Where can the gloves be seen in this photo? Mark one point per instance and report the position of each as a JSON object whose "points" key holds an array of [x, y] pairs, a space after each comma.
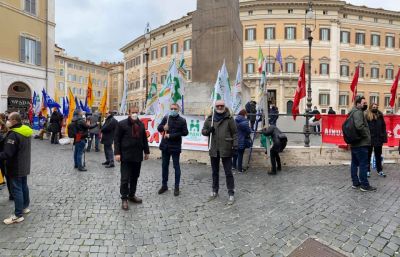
{"points": [[212, 130]]}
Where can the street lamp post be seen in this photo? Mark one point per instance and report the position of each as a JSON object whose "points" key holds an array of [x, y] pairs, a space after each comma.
{"points": [[147, 37], [310, 15]]}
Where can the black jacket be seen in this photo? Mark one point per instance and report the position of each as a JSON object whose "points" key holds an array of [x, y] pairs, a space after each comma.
{"points": [[278, 138], [56, 122], [2, 162], [17, 151], [131, 149], [108, 130], [177, 128], [82, 128], [251, 109], [377, 129]]}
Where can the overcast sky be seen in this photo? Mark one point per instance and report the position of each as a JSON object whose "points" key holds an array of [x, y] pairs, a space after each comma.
{"points": [[97, 29]]}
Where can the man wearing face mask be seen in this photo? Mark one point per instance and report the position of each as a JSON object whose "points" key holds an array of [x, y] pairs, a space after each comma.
{"points": [[17, 154], [130, 144], [359, 149], [173, 127], [221, 129]]}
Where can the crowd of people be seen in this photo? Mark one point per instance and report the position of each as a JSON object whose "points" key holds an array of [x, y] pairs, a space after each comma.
{"points": [[228, 138]]}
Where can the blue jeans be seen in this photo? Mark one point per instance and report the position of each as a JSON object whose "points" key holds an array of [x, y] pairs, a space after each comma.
{"points": [[166, 156], [237, 160], [20, 192], [78, 152], [359, 159], [96, 141]]}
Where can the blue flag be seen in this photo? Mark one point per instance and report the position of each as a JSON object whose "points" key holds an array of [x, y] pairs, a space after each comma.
{"points": [[279, 57], [48, 102], [65, 106]]}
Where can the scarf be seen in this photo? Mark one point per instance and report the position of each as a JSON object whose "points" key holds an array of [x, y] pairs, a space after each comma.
{"points": [[135, 128]]}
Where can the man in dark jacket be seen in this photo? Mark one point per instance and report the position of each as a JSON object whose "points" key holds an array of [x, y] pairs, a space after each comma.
{"points": [[107, 139], [17, 154], [173, 127], [273, 115], [130, 143], [317, 117], [56, 120], [280, 140], [82, 129], [221, 129], [331, 111], [251, 109], [359, 150], [94, 131]]}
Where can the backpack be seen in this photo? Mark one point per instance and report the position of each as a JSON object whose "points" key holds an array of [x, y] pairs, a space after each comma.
{"points": [[72, 129], [350, 133]]}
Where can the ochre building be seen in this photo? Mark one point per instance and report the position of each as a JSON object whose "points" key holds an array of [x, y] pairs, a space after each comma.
{"points": [[344, 36], [26, 52]]}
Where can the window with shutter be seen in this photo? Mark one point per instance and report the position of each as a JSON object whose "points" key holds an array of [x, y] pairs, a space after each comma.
{"points": [[21, 49], [38, 53]]}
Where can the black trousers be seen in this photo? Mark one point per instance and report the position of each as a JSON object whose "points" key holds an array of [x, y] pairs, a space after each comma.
{"points": [[275, 158], [230, 181], [378, 154], [55, 136], [109, 154], [130, 172]]}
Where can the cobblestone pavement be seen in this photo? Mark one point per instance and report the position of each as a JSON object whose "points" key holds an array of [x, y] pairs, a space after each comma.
{"points": [[78, 214]]}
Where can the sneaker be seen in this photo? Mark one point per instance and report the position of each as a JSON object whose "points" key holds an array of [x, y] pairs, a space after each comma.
{"points": [[368, 189], [231, 200], [13, 219], [368, 174], [382, 174], [26, 211], [355, 187], [162, 190], [176, 191], [83, 169], [213, 196]]}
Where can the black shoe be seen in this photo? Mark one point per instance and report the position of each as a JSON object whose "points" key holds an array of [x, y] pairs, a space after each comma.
{"points": [[176, 192], [279, 168], [75, 167], [135, 199], [272, 172], [88, 150], [111, 165], [97, 150], [105, 163], [368, 189], [82, 169], [162, 190]]}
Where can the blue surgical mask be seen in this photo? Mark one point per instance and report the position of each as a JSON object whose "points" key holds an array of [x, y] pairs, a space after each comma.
{"points": [[173, 113]]}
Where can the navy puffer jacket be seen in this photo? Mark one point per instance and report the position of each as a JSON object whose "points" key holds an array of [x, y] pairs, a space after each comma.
{"points": [[244, 131]]}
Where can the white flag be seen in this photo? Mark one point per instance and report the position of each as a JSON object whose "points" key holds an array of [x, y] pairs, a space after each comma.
{"points": [[226, 87], [122, 108], [237, 90]]}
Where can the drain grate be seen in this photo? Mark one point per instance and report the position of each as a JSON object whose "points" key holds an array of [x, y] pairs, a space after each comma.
{"points": [[313, 248]]}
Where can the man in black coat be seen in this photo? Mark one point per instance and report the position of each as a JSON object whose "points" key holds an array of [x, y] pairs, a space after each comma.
{"points": [[279, 143], [107, 139], [251, 109], [173, 127], [56, 120], [130, 143], [17, 154]]}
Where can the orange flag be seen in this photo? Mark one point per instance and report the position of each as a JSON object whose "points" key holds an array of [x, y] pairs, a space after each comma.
{"points": [[103, 103], [89, 96]]}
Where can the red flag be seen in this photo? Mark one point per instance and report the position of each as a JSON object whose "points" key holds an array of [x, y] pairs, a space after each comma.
{"points": [[394, 90], [30, 112], [300, 91], [353, 86]]}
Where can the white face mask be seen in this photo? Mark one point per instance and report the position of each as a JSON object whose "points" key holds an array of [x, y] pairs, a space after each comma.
{"points": [[8, 124], [83, 116], [134, 116]]}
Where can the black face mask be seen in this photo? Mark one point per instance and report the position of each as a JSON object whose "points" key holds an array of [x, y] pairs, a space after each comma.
{"points": [[365, 107], [374, 110]]}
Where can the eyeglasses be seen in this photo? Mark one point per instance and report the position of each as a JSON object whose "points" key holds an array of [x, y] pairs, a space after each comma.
{"points": [[219, 106]]}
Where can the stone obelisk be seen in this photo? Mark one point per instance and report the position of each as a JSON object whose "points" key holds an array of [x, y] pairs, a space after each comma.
{"points": [[217, 36]]}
